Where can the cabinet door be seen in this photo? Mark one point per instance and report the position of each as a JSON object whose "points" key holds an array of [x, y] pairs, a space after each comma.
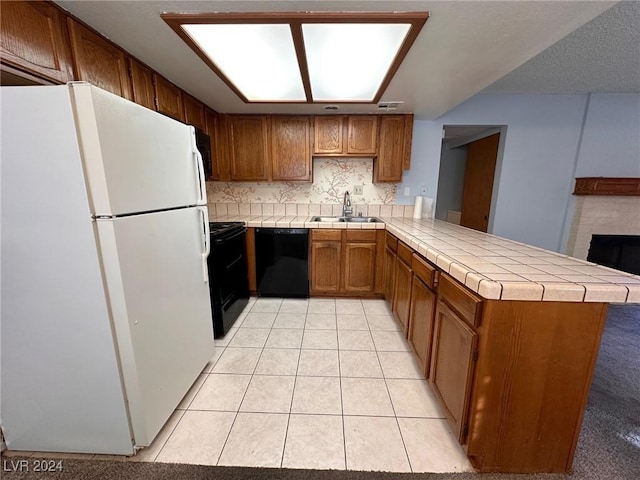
{"points": [[325, 266], [290, 148], [452, 366], [194, 112], [169, 98], [33, 38], [215, 130], [389, 274], [388, 166], [359, 267], [421, 317], [402, 294], [142, 83], [249, 147], [99, 62], [328, 134], [362, 134]]}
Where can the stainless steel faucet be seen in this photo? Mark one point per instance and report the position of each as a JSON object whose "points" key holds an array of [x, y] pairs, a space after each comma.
{"points": [[347, 209]]}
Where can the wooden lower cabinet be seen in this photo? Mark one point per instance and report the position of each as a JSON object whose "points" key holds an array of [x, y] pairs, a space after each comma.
{"points": [[344, 262], [452, 367], [421, 319], [402, 293]]}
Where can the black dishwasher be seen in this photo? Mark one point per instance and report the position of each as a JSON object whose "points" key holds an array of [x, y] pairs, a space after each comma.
{"points": [[282, 262]]}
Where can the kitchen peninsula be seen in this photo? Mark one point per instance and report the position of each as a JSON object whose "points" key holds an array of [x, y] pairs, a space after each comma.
{"points": [[507, 334]]}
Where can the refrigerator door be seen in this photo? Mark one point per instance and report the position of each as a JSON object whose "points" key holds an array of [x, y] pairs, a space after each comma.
{"points": [[60, 377], [155, 271], [135, 160]]}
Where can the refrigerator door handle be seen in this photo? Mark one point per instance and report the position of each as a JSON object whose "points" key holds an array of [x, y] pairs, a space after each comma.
{"points": [[202, 188], [207, 242]]}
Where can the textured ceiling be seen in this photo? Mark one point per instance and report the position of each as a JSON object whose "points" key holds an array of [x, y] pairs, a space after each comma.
{"points": [[464, 47], [601, 56]]}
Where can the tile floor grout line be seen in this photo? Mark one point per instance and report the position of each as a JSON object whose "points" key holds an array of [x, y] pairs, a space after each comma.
{"points": [[344, 434], [164, 444], [293, 393]]}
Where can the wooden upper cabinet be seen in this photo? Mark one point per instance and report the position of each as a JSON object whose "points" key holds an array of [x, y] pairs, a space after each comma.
{"points": [[290, 148], [98, 61], [194, 112], [328, 134], [142, 84], [408, 139], [33, 38], [248, 147], [362, 134], [168, 98], [216, 130], [388, 165]]}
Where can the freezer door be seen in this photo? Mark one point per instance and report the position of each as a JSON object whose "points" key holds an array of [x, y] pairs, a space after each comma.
{"points": [[135, 160], [155, 270]]}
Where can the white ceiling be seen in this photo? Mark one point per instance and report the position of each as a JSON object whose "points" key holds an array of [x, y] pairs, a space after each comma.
{"points": [[464, 48]]}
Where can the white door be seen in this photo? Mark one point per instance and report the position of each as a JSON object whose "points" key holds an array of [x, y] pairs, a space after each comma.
{"points": [[135, 160], [156, 276]]}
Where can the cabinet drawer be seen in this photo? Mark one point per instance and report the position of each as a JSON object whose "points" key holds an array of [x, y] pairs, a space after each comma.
{"points": [[321, 234], [405, 252], [392, 242], [424, 270], [463, 301], [361, 235]]}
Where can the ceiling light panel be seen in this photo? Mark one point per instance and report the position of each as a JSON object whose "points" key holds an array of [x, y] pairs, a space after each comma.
{"points": [[349, 61], [259, 59]]}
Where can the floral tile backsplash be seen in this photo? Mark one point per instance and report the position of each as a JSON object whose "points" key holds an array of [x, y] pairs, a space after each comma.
{"points": [[331, 178]]}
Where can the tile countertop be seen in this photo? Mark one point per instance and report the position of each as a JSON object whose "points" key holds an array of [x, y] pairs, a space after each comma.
{"points": [[493, 267]]}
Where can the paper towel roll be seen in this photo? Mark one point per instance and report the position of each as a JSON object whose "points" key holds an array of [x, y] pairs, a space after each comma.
{"points": [[417, 208]]}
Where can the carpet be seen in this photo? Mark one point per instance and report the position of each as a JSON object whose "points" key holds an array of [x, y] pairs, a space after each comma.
{"points": [[608, 448]]}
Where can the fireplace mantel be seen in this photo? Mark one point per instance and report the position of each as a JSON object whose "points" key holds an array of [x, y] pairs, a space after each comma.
{"points": [[626, 187]]}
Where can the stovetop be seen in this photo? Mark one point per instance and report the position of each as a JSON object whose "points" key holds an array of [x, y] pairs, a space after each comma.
{"points": [[224, 229]]}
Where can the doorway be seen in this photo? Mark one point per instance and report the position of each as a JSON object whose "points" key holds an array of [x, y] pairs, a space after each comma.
{"points": [[468, 164]]}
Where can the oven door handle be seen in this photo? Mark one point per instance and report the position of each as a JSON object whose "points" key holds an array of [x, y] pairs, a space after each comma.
{"points": [[231, 237], [207, 241]]}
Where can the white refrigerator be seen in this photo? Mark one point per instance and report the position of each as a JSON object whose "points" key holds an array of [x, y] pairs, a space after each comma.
{"points": [[105, 316]]}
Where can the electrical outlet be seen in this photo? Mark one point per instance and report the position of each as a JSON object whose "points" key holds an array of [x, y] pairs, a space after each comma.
{"points": [[423, 190], [407, 191], [357, 189]]}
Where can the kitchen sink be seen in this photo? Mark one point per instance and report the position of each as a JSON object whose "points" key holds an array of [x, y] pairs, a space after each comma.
{"points": [[347, 219]]}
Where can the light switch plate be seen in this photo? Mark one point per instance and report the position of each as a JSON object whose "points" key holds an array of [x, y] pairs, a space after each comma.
{"points": [[357, 189]]}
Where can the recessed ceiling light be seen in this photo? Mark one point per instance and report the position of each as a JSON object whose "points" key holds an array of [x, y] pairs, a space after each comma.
{"points": [[302, 57]]}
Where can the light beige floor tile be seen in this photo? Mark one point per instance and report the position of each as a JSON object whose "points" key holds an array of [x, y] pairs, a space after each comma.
{"points": [[431, 447], [240, 320], [320, 321], [222, 392], [284, 338], [390, 341], [413, 398], [224, 341], [290, 320], [256, 440], [376, 307], [322, 305], [259, 320], [268, 394], [322, 363], [320, 395], [150, 453], [349, 306], [314, 441], [352, 322], [294, 305], [320, 339], [190, 395], [366, 396], [237, 360], [198, 438], [399, 365], [374, 443], [214, 359], [383, 322], [355, 340], [250, 337], [359, 364], [266, 305], [278, 361]]}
